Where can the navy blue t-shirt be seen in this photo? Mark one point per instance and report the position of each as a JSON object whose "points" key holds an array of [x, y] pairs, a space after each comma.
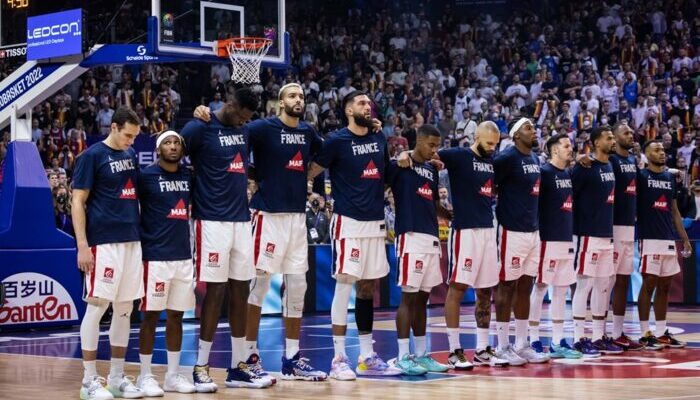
{"points": [[556, 204], [518, 183], [219, 155], [165, 204], [281, 155], [112, 206], [471, 185], [356, 165], [655, 195], [415, 193], [594, 199], [625, 169]]}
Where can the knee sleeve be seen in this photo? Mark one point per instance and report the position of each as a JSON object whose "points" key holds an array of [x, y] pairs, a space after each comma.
{"points": [[600, 296], [121, 323], [536, 299], [364, 314], [293, 297], [583, 289], [339, 307], [258, 288], [558, 304], [411, 289], [90, 326]]}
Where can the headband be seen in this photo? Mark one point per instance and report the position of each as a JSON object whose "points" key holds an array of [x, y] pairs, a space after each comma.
{"points": [[517, 126], [167, 134]]}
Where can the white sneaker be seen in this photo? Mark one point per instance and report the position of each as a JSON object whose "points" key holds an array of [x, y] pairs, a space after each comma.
{"points": [[123, 386], [507, 353], [94, 389], [149, 386], [178, 383], [340, 369], [529, 354]]}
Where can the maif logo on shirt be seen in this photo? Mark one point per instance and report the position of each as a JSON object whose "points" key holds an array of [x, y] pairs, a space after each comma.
{"points": [[661, 204], [371, 171], [487, 189], [536, 188], [611, 197], [568, 204], [236, 166], [179, 212], [425, 192], [128, 191], [296, 163], [632, 188]]}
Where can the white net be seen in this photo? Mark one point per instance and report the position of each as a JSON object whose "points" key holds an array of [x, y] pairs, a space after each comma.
{"points": [[246, 54]]}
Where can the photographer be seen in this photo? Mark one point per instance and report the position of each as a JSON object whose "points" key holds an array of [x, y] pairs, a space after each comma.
{"points": [[61, 207], [317, 220]]}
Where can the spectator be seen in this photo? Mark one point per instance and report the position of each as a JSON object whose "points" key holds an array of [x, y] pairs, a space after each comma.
{"points": [[61, 206], [104, 118], [317, 220], [389, 215], [216, 103]]}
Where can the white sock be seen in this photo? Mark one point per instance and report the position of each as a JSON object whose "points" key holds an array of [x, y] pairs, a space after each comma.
{"points": [[660, 328], [521, 333], [203, 352], [579, 325], [419, 345], [366, 347], [644, 327], [598, 329], [116, 367], [618, 322], [292, 347], [173, 362], [237, 351], [403, 348], [146, 363], [90, 368], [251, 347], [339, 345], [557, 332], [502, 332], [482, 338], [453, 339], [534, 332]]}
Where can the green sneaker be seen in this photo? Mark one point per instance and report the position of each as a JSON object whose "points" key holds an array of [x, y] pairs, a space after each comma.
{"points": [[563, 350], [430, 364], [408, 366]]}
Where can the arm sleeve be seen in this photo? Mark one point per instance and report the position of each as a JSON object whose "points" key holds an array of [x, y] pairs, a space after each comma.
{"points": [[316, 141], [84, 173], [327, 153], [501, 168], [392, 170], [446, 157], [577, 178], [192, 133]]}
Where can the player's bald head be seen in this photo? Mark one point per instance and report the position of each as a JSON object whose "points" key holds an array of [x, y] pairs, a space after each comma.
{"points": [[486, 139]]}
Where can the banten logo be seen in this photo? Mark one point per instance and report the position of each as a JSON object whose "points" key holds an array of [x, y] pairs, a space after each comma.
{"points": [[236, 166], [371, 171], [128, 191], [296, 163]]}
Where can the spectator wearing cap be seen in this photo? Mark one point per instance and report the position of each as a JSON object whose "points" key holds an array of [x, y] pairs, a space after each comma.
{"points": [[693, 205]]}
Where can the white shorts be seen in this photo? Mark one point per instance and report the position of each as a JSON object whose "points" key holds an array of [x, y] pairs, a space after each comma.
{"points": [[658, 257], [623, 249], [279, 243], [594, 256], [223, 251], [358, 248], [418, 260], [118, 273], [168, 285], [556, 265], [472, 258], [519, 253]]}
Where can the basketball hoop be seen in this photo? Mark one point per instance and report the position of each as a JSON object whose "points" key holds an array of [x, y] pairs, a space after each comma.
{"points": [[246, 54]]}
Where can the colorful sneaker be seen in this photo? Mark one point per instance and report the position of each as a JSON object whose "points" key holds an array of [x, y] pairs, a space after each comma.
{"points": [[563, 350], [669, 341], [627, 343], [586, 348], [537, 346], [93, 388], [458, 361], [507, 353], [149, 386], [531, 355], [488, 357], [298, 368], [605, 345], [340, 369], [408, 365], [650, 342], [255, 364], [202, 381], [375, 366], [243, 377], [123, 386], [430, 364], [178, 383]]}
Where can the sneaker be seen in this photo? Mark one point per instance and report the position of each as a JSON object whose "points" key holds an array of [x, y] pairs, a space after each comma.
{"points": [[650, 342], [458, 361], [123, 386], [93, 388], [430, 364], [178, 383], [202, 381], [408, 365], [627, 343], [243, 377], [340, 369], [255, 364], [531, 355], [537, 346], [586, 348], [298, 368], [375, 366], [507, 353], [605, 345], [149, 386], [488, 357], [563, 350], [669, 341]]}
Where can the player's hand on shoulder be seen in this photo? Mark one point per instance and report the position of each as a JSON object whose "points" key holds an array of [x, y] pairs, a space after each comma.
{"points": [[404, 159], [376, 125], [203, 113], [584, 160], [439, 165]]}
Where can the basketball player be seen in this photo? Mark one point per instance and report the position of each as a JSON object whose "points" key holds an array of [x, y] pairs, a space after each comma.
{"points": [[218, 151], [518, 181], [106, 221], [418, 251], [659, 224], [356, 157], [164, 196], [594, 197], [556, 266], [624, 212]]}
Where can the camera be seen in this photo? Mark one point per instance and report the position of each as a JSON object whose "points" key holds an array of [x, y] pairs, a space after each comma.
{"points": [[315, 203], [61, 198]]}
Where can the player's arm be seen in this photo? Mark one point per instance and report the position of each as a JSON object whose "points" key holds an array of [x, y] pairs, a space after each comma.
{"points": [[314, 171], [202, 112], [86, 262], [678, 223]]}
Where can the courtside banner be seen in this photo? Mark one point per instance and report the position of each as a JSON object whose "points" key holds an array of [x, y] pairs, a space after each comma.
{"points": [[25, 82], [55, 35]]}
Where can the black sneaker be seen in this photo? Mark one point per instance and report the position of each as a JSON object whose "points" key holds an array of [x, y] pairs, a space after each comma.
{"points": [[458, 361], [488, 358], [650, 341]]}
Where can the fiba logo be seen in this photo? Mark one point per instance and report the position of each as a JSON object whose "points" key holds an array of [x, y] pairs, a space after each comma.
{"points": [[168, 21]]}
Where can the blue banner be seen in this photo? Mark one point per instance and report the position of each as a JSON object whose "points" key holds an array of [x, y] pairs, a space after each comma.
{"points": [[125, 54], [55, 35], [25, 82]]}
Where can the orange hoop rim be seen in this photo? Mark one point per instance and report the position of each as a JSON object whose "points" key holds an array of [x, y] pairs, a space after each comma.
{"points": [[244, 43]]}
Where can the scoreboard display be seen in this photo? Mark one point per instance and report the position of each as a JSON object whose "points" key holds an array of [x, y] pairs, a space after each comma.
{"points": [[13, 22]]}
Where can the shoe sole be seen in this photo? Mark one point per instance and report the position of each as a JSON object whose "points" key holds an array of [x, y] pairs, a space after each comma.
{"points": [[591, 355], [376, 373], [338, 378], [456, 368], [488, 364], [159, 394], [538, 361], [611, 352], [245, 385], [292, 377], [205, 389], [117, 394]]}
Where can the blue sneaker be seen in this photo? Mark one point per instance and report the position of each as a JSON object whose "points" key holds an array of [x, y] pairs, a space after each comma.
{"points": [[563, 350], [375, 366], [605, 345], [243, 377], [429, 363], [537, 346], [586, 348], [202, 381], [297, 368], [407, 364], [255, 364]]}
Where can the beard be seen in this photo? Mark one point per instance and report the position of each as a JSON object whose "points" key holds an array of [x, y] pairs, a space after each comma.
{"points": [[362, 120], [483, 152], [290, 111], [625, 146]]}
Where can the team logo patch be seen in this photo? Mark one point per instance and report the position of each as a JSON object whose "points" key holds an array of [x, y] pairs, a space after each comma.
{"points": [[128, 191], [296, 163], [159, 289], [616, 255], [568, 204], [269, 249], [552, 264], [515, 262], [611, 197], [425, 192], [594, 258], [179, 212], [236, 166], [371, 171], [536, 188], [355, 255], [661, 204], [108, 275], [419, 267], [487, 189], [632, 188], [213, 260], [656, 257], [467, 265]]}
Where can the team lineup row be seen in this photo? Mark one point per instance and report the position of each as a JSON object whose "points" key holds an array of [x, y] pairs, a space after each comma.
{"points": [[133, 237]]}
